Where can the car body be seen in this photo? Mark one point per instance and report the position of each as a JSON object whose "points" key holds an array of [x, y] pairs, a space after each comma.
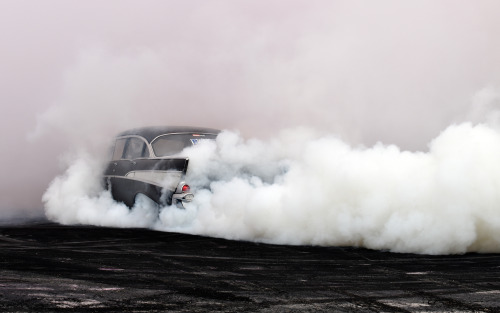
{"points": [[148, 161]]}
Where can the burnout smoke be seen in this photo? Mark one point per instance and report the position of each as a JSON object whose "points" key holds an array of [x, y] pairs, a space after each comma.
{"points": [[391, 71], [305, 188]]}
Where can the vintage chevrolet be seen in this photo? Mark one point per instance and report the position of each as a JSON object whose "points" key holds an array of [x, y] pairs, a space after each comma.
{"points": [[149, 162]]}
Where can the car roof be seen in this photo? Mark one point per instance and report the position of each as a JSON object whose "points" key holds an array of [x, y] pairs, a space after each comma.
{"points": [[150, 133]]}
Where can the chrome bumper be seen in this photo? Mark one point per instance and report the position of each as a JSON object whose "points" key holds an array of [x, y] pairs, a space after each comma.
{"points": [[183, 197]]}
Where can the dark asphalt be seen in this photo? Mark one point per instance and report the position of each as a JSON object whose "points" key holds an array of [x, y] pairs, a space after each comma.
{"points": [[51, 268]]}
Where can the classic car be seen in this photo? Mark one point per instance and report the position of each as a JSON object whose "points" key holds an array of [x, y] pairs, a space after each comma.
{"points": [[148, 162]]}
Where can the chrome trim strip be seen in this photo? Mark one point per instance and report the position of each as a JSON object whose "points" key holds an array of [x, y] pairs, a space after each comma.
{"points": [[145, 181], [167, 179]]}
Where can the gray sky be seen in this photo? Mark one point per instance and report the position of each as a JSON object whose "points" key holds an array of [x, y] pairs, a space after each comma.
{"points": [[78, 71]]}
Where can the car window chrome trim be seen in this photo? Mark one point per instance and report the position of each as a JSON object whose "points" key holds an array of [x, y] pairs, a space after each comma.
{"points": [[182, 133]]}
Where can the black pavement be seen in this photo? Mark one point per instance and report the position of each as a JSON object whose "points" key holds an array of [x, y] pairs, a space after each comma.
{"points": [[51, 268]]}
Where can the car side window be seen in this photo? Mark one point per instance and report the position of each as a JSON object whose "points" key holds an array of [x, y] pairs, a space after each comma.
{"points": [[119, 146], [135, 148]]}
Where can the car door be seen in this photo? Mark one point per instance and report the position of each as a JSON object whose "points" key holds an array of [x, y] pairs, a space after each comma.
{"points": [[127, 153]]}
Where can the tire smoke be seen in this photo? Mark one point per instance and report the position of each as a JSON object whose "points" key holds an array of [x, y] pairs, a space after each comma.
{"points": [[309, 189], [396, 72]]}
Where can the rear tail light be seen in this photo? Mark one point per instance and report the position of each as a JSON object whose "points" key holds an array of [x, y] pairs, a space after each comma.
{"points": [[186, 188]]}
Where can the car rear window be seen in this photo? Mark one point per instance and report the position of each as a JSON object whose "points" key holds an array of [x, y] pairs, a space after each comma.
{"points": [[171, 144]]}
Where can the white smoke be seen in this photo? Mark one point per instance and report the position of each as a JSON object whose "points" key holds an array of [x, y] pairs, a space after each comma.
{"points": [[77, 197], [304, 188], [397, 72]]}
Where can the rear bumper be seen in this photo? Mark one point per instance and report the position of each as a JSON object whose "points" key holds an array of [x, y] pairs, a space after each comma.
{"points": [[183, 197]]}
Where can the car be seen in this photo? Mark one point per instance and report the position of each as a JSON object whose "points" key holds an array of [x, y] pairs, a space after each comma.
{"points": [[148, 162]]}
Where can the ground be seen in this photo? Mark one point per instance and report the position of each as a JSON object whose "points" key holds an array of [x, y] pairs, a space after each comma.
{"points": [[49, 268]]}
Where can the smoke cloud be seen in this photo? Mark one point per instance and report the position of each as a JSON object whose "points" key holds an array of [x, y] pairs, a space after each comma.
{"points": [[301, 188], [338, 115]]}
